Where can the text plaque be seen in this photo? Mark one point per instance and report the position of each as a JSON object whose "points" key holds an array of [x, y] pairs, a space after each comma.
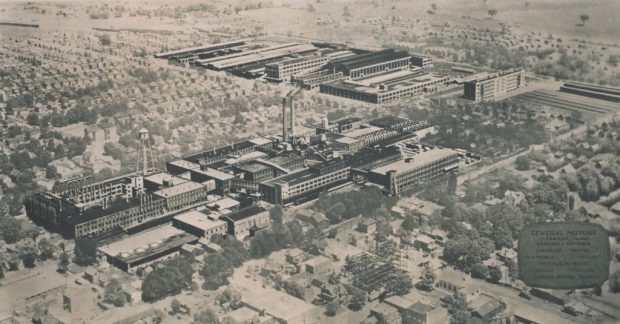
{"points": [[564, 255]]}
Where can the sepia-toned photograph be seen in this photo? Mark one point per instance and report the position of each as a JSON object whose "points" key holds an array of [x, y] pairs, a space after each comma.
{"points": [[309, 161]]}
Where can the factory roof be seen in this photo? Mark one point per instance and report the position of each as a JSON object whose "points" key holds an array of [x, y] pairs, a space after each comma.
{"points": [[347, 140], [215, 174], [253, 167], [161, 177], [260, 141], [146, 243], [416, 161], [185, 164], [201, 48], [178, 189], [199, 220], [276, 303], [372, 58], [224, 203], [317, 260], [223, 150], [420, 308], [272, 52], [362, 131], [387, 121], [245, 213], [393, 80], [347, 120]]}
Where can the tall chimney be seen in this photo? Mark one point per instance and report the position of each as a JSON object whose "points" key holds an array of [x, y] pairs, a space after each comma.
{"points": [[292, 116], [284, 126]]}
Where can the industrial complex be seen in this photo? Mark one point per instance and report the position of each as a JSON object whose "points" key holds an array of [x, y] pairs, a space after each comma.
{"points": [[222, 191]]}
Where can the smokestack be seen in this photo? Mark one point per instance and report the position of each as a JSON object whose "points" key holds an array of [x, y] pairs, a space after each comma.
{"points": [[292, 116], [284, 126]]}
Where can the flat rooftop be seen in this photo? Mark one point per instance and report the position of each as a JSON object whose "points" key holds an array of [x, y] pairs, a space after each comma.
{"points": [[224, 203], [160, 177], [178, 189], [215, 174], [253, 167], [223, 150], [245, 213], [372, 58], [392, 80], [416, 161], [148, 242], [199, 220], [362, 131], [185, 164]]}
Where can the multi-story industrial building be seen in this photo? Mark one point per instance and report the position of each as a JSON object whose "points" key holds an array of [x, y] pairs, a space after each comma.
{"points": [[422, 61], [359, 66], [386, 87], [406, 174], [285, 70], [494, 85], [304, 184], [200, 224], [245, 222]]}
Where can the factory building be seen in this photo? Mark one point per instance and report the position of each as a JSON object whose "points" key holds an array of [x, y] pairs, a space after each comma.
{"points": [[406, 174], [387, 86], [371, 63], [285, 70], [200, 224], [422, 61], [303, 185], [245, 222], [120, 214], [144, 248], [224, 152], [494, 85]]}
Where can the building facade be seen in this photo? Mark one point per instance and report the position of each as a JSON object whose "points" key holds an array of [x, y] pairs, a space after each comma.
{"points": [[406, 174], [494, 85]]}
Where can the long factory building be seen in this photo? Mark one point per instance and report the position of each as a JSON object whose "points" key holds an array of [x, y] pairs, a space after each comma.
{"points": [[372, 76], [262, 168]]}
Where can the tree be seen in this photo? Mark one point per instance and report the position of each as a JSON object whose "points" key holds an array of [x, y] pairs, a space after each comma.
{"points": [[105, 40], [522, 163], [614, 282], [332, 308], [457, 307], [175, 306], [398, 284], [206, 316], [85, 251], [408, 223], [33, 119], [230, 297], [10, 229], [479, 271], [63, 262], [167, 280], [428, 280], [114, 294], [584, 18], [294, 289], [495, 274], [492, 12], [46, 249], [357, 302], [216, 271], [276, 214], [28, 255]]}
